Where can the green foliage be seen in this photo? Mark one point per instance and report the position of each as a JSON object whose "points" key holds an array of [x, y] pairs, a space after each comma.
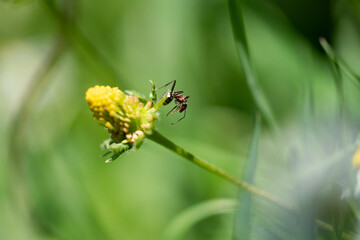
{"points": [[244, 54], [55, 185], [243, 216], [188, 218], [153, 95]]}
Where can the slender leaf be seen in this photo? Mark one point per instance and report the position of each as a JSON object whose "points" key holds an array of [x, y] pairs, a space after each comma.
{"points": [[244, 54], [243, 217], [337, 74], [338, 213], [338, 61], [189, 217]]}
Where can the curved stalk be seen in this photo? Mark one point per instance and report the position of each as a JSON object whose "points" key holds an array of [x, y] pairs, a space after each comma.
{"points": [[162, 140]]}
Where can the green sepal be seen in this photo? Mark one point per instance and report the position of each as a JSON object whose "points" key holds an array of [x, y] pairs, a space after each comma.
{"points": [[112, 158], [115, 148], [105, 154], [139, 141], [118, 147], [153, 95]]}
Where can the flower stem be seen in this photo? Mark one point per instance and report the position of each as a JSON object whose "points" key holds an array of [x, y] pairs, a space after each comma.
{"points": [[162, 140], [160, 103]]}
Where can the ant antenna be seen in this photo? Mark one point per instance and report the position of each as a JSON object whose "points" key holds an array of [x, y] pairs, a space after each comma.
{"points": [[172, 88]]}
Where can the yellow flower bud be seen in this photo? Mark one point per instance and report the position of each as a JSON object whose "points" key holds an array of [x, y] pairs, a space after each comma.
{"points": [[128, 117], [125, 116]]}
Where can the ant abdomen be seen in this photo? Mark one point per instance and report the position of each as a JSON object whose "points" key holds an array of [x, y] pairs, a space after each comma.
{"points": [[183, 107]]}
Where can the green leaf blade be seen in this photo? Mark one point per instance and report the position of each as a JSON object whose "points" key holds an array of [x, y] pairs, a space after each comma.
{"points": [[243, 217], [243, 51]]}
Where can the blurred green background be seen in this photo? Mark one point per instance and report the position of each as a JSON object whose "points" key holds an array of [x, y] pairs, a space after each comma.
{"points": [[53, 182]]}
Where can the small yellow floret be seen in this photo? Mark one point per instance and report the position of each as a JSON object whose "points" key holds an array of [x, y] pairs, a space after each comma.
{"points": [[356, 158], [108, 125], [103, 100]]}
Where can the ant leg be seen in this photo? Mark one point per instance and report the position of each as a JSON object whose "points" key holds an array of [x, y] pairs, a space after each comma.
{"points": [[178, 107], [172, 88], [172, 110], [180, 118]]}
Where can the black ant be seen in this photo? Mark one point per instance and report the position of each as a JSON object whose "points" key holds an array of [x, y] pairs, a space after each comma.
{"points": [[180, 100]]}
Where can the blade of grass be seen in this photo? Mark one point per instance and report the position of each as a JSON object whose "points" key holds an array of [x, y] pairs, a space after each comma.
{"points": [[335, 62], [308, 116], [239, 32], [189, 217], [353, 206], [17, 183], [337, 213], [79, 39], [243, 217], [341, 64], [329, 227], [305, 222]]}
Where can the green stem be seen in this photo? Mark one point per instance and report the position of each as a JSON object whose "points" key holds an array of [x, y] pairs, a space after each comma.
{"points": [[160, 103], [162, 140]]}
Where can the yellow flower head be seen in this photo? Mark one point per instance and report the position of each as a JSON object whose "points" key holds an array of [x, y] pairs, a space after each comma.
{"points": [[126, 117]]}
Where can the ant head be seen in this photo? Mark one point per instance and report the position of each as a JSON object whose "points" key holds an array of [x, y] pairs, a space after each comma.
{"points": [[169, 98]]}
